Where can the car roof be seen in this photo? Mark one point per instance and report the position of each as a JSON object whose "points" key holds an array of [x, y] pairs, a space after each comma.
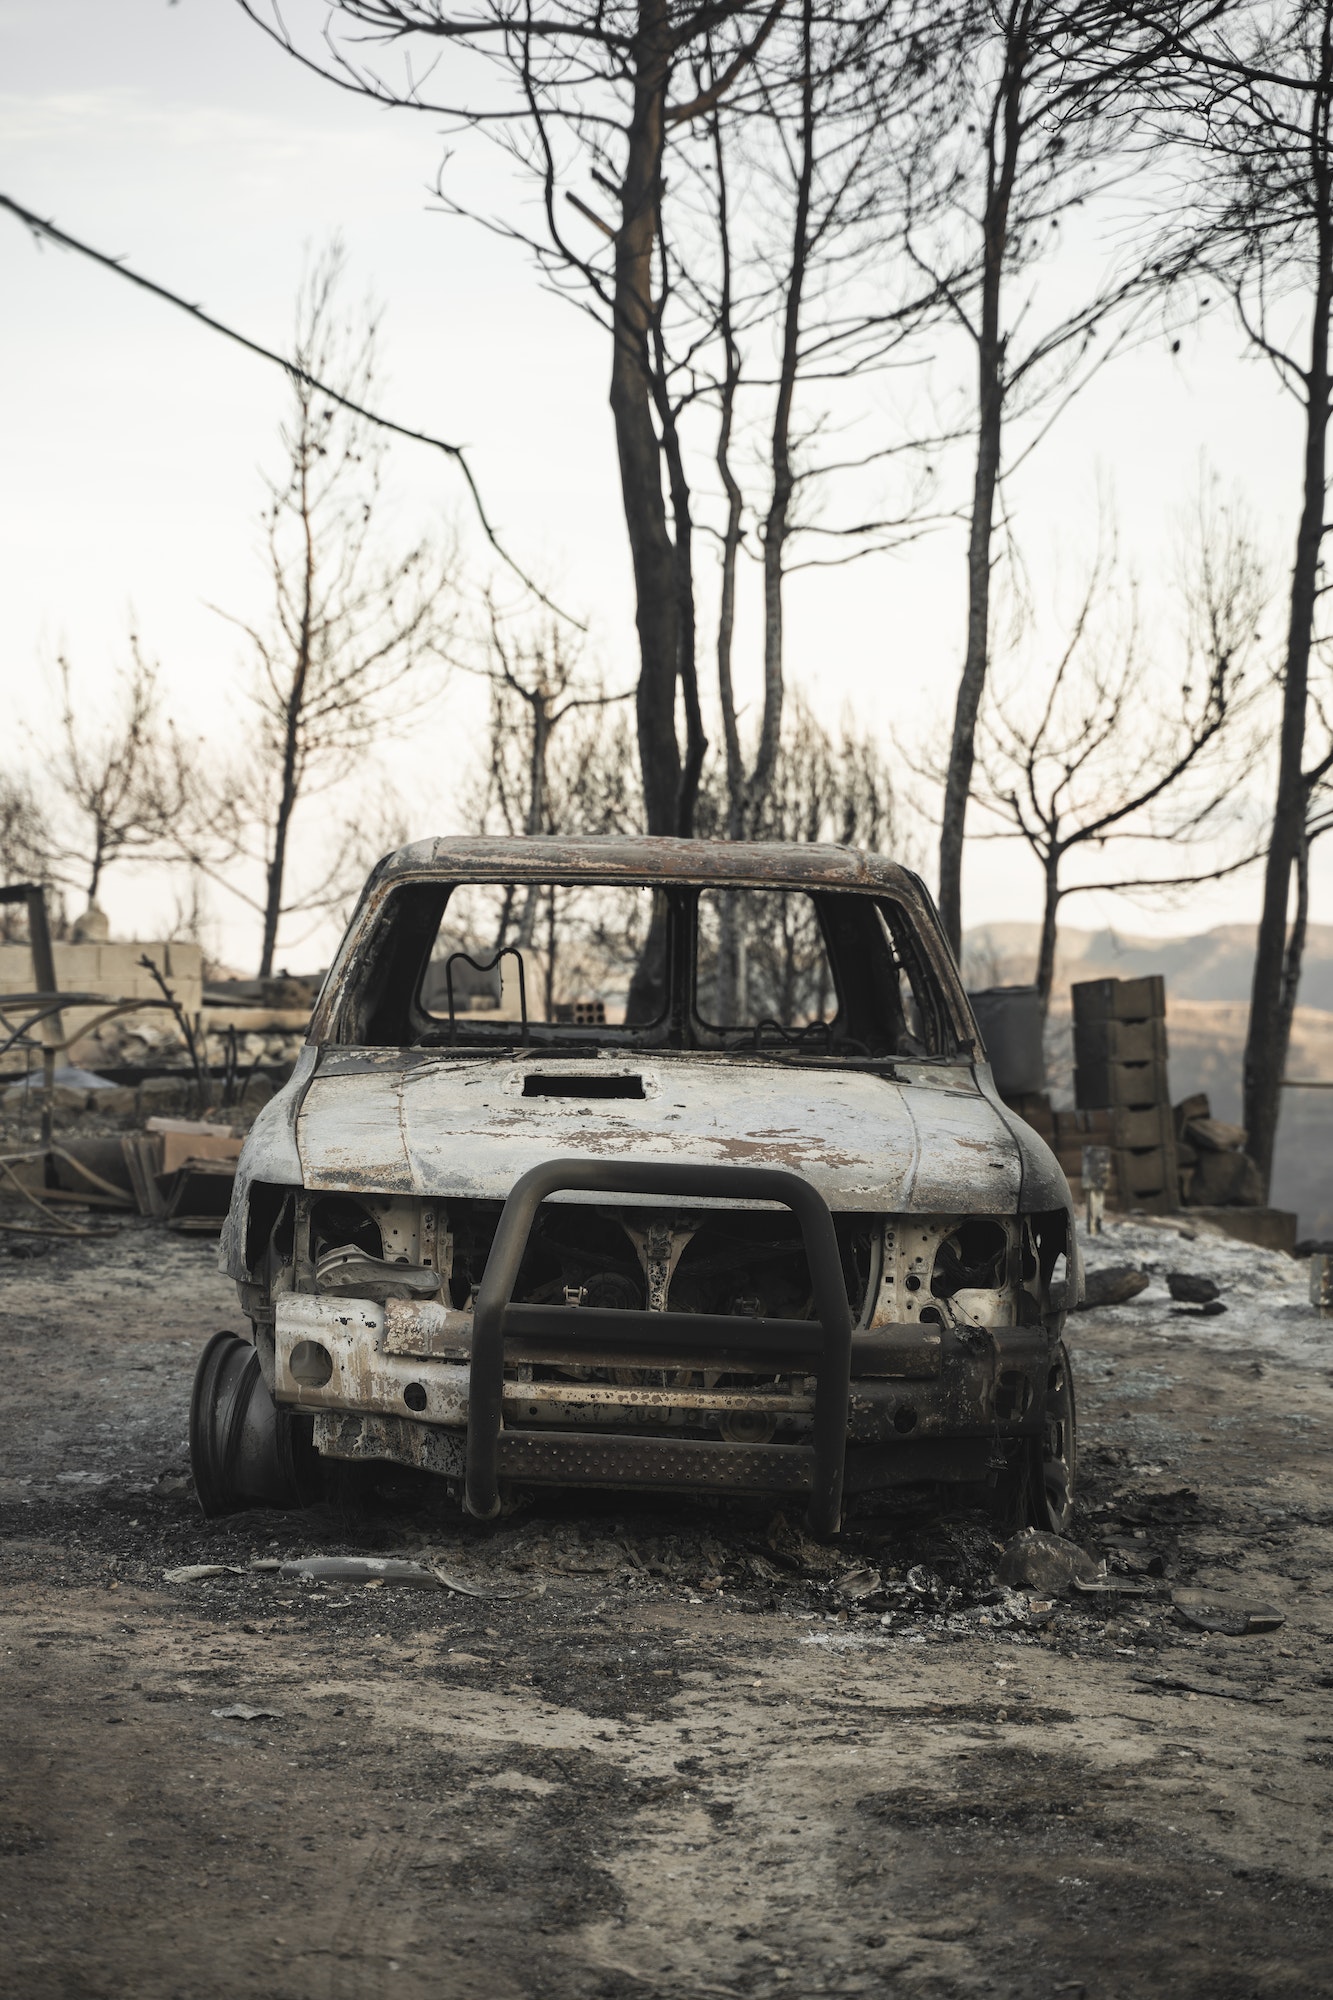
{"points": [[654, 858]]}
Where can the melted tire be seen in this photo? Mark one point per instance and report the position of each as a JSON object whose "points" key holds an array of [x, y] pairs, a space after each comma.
{"points": [[1053, 1470], [1038, 1489], [244, 1450]]}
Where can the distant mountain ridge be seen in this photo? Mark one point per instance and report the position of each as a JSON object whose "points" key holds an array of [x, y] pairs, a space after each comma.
{"points": [[1208, 965]]}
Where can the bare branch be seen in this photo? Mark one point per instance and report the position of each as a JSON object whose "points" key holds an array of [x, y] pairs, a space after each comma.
{"points": [[40, 226]]}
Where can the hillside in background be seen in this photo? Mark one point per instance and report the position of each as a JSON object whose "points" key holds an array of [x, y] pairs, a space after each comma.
{"points": [[1208, 987], [1212, 965]]}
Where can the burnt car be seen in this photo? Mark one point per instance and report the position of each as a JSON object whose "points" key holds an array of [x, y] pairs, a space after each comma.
{"points": [[656, 1164]]}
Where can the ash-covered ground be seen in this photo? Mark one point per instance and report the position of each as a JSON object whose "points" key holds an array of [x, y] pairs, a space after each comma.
{"points": [[657, 1750]]}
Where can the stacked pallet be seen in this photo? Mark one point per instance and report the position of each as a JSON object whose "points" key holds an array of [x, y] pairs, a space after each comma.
{"points": [[1120, 1073]]}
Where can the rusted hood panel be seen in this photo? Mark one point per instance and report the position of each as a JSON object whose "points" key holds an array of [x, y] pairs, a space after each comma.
{"points": [[464, 1128]]}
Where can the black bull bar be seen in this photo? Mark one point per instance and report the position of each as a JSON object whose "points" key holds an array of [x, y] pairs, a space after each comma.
{"points": [[822, 1346]]}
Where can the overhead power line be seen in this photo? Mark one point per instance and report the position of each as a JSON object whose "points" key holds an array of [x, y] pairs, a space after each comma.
{"points": [[41, 227]]}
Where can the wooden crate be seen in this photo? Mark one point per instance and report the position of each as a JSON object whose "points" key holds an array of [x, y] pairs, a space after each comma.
{"points": [[1120, 999], [1121, 1085], [1098, 1042], [1150, 1125]]}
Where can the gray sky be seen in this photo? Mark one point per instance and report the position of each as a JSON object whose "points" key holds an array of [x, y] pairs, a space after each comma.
{"points": [[132, 439]]}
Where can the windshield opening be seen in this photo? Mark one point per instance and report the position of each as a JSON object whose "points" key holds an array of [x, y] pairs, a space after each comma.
{"points": [[589, 966], [762, 965]]}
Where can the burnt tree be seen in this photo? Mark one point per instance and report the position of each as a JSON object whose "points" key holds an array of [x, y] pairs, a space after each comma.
{"points": [[589, 93], [354, 639], [119, 782], [1250, 102], [1066, 762], [1053, 90]]}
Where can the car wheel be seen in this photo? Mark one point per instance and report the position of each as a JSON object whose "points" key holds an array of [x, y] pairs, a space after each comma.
{"points": [[1036, 1489], [244, 1450], [1055, 1454]]}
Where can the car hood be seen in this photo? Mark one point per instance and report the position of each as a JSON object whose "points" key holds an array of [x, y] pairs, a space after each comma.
{"points": [[924, 1139]]}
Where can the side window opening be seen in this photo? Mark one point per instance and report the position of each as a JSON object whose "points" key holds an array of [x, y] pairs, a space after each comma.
{"points": [[378, 1010], [925, 1021]]}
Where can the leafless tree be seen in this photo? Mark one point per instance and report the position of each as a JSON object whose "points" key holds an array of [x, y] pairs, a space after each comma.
{"points": [[117, 783], [799, 303], [618, 112], [1108, 748], [1052, 90], [829, 784], [588, 97], [546, 765], [352, 649], [826, 785], [558, 758], [1249, 100]]}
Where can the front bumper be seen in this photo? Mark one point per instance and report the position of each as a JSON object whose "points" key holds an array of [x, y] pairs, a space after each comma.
{"points": [[581, 1395], [412, 1362], [924, 1404]]}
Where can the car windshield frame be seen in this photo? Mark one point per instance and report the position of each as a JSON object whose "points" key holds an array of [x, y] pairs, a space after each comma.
{"points": [[389, 944]]}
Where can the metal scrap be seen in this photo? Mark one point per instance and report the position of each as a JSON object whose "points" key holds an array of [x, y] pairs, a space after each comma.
{"points": [[361, 1569], [1220, 1690], [1207, 1611]]}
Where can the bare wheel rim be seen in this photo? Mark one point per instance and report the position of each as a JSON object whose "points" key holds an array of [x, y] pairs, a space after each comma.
{"points": [[1059, 1445], [235, 1468]]}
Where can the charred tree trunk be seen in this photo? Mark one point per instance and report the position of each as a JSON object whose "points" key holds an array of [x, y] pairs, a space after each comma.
{"points": [[777, 525], [732, 533], [682, 522], [726, 618], [1293, 957], [541, 736], [990, 420], [1270, 1018], [727, 998], [696, 740], [287, 786], [552, 946], [637, 444], [294, 706], [536, 815], [277, 866]]}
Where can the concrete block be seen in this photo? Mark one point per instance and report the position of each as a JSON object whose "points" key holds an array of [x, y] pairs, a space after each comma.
{"points": [[1152, 1125], [1151, 1171], [111, 969]]}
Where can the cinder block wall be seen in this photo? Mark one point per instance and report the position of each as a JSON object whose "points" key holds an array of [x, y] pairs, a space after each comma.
{"points": [[110, 969]]}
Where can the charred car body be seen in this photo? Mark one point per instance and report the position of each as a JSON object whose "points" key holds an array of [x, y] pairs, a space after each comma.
{"points": [[647, 1163]]}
